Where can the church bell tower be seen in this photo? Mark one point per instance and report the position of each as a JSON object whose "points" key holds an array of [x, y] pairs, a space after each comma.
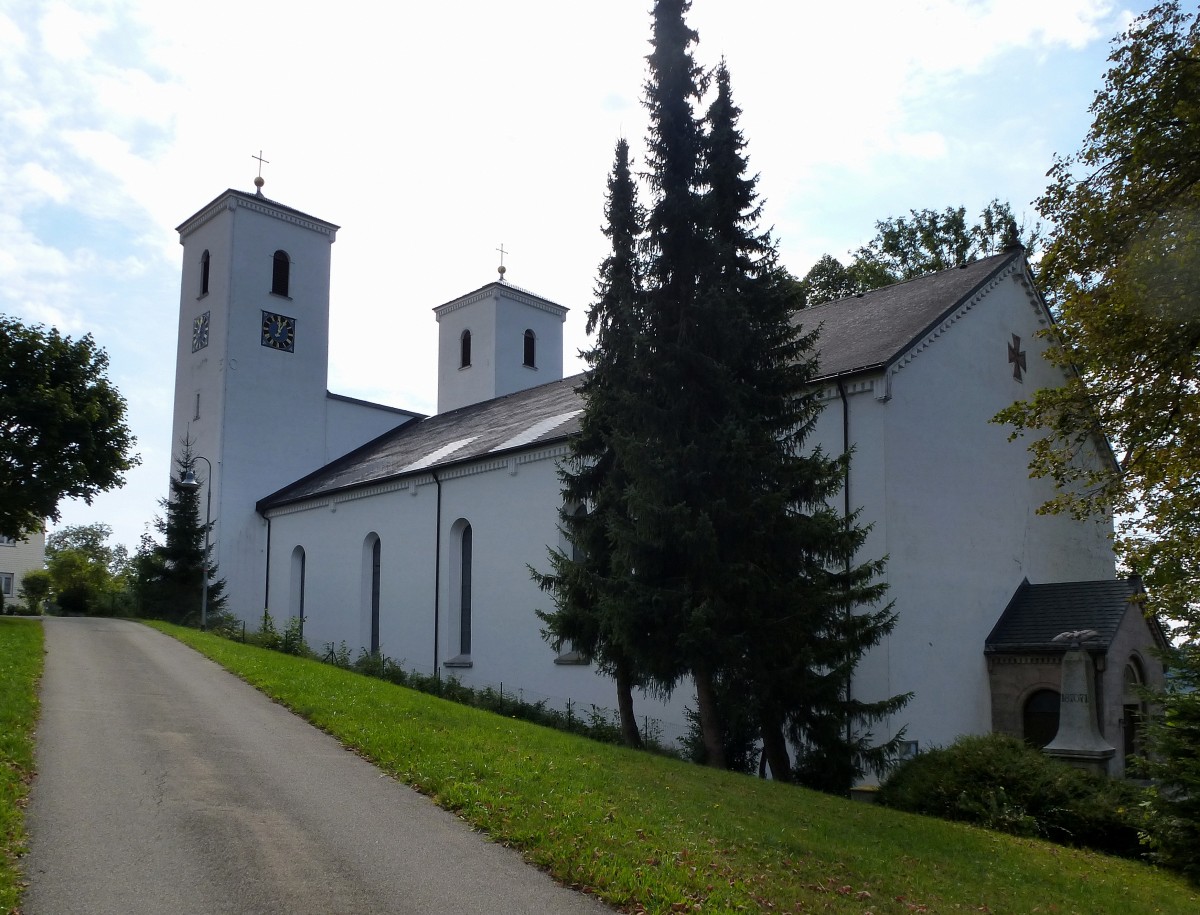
{"points": [[497, 340], [251, 367]]}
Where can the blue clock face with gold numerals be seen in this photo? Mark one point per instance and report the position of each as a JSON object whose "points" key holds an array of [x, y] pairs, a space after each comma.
{"points": [[200, 332], [279, 332]]}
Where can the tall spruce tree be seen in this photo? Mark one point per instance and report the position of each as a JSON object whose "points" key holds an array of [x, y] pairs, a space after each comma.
{"points": [[593, 609], [709, 549], [666, 425], [798, 606]]}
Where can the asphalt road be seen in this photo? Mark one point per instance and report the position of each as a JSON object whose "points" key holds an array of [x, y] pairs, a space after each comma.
{"points": [[166, 785]]}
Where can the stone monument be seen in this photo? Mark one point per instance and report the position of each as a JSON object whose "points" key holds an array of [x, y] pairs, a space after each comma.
{"points": [[1079, 741]]}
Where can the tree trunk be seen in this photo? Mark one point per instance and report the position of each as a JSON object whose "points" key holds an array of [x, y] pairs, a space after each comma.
{"points": [[710, 719], [775, 749], [630, 735]]}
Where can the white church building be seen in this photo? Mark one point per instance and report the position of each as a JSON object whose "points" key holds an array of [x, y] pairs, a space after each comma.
{"points": [[412, 535]]}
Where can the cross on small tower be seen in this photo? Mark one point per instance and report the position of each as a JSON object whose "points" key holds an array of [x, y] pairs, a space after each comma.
{"points": [[1016, 357], [258, 181], [501, 270]]}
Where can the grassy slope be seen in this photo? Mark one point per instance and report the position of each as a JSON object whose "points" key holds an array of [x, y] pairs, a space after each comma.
{"points": [[657, 835], [20, 668]]}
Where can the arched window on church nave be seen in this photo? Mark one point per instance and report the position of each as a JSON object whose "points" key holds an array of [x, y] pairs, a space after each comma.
{"points": [[204, 259], [1133, 708], [296, 587], [462, 545], [464, 350], [371, 564], [281, 268], [1039, 717], [530, 349]]}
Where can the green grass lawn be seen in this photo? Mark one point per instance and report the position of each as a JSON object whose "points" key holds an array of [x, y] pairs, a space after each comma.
{"points": [[20, 668], [650, 834]]}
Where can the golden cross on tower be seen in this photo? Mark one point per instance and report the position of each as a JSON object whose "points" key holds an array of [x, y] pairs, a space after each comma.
{"points": [[258, 181], [502, 268]]}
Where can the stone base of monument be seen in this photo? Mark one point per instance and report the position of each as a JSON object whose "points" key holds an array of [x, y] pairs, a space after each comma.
{"points": [[1079, 741], [1095, 762]]}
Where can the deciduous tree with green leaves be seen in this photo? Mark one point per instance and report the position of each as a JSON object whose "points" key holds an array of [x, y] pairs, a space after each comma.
{"points": [[62, 425], [87, 574], [925, 241], [1122, 267]]}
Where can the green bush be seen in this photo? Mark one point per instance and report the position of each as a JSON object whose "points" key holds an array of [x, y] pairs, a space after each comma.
{"points": [[1001, 783]]}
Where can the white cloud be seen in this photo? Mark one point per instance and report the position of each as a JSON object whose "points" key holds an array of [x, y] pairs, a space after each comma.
{"points": [[38, 178], [67, 32]]}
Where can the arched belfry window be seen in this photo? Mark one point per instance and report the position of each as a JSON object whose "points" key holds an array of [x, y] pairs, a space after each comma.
{"points": [[464, 349], [204, 258], [530, 349], [281, 268]]}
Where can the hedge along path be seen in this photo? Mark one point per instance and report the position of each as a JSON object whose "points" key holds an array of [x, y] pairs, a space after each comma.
{"points": [[650, 834], [21, 661]]}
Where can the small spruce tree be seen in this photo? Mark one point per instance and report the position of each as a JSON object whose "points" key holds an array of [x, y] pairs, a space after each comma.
{"points": [[169, 575]]}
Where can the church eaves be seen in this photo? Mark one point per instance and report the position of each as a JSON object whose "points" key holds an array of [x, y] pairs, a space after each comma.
{"points": [[865, 333], [527, 419]]}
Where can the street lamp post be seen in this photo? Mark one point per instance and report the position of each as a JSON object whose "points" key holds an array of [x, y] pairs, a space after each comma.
{"points": [[189, 482]]}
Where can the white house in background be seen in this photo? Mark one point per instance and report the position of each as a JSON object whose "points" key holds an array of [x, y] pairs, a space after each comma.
{"points": [[413, 535], [18, 557]]}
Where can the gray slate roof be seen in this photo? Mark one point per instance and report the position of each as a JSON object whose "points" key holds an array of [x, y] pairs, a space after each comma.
{"points": [[1037, 613], [862, 333], [515, 422]]}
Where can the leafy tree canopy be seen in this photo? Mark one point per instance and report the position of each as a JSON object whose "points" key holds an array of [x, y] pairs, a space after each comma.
{"points": [[91, 540], [86, 574], [62, 425], [925, 241], [1122, 267]]}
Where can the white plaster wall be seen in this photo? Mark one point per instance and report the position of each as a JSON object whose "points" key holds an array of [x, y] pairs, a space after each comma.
{"points": [[459, 386], [352, 423], [513, 318], [21, 556], [513, 518], [962, 529]]}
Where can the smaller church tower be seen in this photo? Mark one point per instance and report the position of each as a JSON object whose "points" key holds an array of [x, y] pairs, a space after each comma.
{"points": [[494, 341]]}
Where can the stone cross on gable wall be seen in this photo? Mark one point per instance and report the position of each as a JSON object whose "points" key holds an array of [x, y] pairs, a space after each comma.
{"points": [[1016, 357]]}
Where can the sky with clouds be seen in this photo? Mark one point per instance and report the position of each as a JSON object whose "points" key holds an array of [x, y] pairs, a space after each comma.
{"points": [[432, 133]]}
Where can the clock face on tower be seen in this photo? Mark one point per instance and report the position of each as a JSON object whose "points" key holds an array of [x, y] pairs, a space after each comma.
{"points": [[279, 332], [200, 332]]}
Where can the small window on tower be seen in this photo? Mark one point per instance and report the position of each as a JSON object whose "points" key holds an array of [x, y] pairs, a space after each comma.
{"points": [[530, 349], [197, 416], [204, 273], [280, 269], [464, 346]]}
